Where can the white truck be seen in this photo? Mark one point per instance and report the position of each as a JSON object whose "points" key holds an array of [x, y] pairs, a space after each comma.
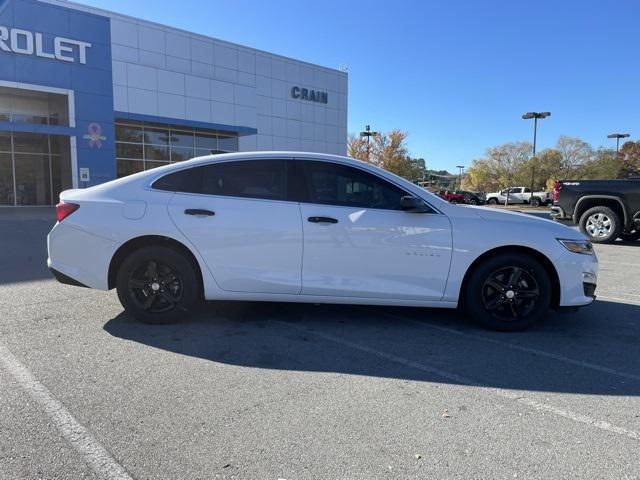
{"points": [[520, 195]]}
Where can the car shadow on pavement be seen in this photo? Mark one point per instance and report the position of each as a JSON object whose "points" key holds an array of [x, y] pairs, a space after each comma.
{"points": [[594, 351]]}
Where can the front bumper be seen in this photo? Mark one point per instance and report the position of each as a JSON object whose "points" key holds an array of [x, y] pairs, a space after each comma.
{"points": [[556, 212], [578, 277]]}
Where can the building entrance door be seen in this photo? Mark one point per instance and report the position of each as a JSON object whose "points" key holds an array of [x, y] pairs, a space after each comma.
{"points": [[34, 168]]}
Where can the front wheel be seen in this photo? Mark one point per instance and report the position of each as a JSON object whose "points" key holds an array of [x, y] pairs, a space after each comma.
{"points": [[454, 202], [492, 201], [473, 201], [157, 285], [508, 292]]}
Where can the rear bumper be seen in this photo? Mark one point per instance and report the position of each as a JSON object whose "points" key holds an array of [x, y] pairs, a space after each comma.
{"points": [[79, 257], [67, 280]]}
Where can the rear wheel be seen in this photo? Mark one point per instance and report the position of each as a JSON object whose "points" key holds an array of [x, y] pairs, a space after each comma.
{"points": [[157, 285], [600, 224], [535, 202], [508, 292]]}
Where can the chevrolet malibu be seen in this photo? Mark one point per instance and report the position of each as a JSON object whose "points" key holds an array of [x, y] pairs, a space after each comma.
{"points": [[302, 227]]}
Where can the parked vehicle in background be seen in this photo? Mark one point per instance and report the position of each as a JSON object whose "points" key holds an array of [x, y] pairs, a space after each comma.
{"points": [[604, 209], [314, 228], [520, 195], [471, 198], [451, 197]]}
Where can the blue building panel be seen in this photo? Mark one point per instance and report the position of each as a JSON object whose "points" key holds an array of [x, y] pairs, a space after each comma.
{"points": [[91, 82], [38, 17], [91, 28]]}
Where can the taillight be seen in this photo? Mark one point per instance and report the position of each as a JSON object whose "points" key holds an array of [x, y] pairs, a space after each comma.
{"points": [[63, 210], [556, 187]]}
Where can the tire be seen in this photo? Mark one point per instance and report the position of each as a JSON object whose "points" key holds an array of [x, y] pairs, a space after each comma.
{"points": [[473, 201], [157, 285], [492, 201], [600, 225], [490, 301], [631, 236], [454, 202], [535, 202]]}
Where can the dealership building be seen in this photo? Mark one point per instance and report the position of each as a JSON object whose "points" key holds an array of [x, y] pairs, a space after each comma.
{"points": [[88, 95]]}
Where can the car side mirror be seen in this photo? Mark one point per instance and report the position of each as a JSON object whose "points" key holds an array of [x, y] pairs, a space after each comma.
{"points": [[413, 204]]}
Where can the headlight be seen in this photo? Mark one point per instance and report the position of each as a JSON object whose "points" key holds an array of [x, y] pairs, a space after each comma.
{"points": [[585, 247]]}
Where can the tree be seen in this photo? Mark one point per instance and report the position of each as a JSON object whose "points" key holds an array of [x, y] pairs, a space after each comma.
{"points": [[604, 164], [548, 165], [479, 177], [388, 151], [574, 153], [357, 147], [630, 159]]}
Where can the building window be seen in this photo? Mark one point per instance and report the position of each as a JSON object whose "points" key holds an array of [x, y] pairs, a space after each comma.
{"points": [[34, 168], [142, 146], [29, 106]]}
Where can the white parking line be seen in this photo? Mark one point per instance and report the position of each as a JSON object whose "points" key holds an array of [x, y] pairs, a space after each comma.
{"points": [[521, 348], [508, 394], [95, 455]]}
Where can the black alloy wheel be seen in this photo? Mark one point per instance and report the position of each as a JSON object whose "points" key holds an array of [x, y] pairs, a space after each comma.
{"points": [[507, 292], [155, 287], [157, 284], [510, 293]]}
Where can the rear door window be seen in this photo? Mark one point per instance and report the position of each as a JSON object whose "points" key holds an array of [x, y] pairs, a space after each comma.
{"points": [[264, 179]]}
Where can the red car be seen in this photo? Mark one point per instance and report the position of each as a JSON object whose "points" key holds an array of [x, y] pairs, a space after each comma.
{"points": [[451, 197]]}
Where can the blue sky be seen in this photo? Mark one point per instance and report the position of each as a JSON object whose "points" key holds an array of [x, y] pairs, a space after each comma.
{"points": [[456, 75]]}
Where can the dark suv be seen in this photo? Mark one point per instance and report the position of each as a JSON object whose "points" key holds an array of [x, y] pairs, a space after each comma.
{"points": [[472, 198]]}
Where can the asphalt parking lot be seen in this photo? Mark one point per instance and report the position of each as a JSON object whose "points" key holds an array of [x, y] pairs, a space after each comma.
{"points": [[274, 391]]}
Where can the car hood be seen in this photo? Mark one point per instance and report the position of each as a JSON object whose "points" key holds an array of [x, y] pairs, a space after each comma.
{"points": [[526, 219]]}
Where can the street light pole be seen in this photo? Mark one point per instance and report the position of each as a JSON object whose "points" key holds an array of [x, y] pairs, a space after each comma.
{"points": [[461, 167], [535, 116], [368, 133], [617, 136]]}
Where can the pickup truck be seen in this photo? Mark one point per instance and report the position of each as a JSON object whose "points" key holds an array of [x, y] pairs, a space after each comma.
{"points": [[519, 195], [603, 209]]}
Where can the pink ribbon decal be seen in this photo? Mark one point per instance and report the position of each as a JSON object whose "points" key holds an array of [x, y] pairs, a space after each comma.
{"points": [[94, 135]]}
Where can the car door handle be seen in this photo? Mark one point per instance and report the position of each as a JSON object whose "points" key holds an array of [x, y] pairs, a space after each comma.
{"points": [[322, 220], [199, 211]]}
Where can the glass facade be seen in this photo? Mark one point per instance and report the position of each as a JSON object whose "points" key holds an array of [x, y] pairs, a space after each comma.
{"points": [[34, 168], [142, 146], [28, 106]]}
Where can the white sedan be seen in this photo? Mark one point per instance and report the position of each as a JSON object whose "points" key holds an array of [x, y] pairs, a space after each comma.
{"points": [[303, 227]]}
